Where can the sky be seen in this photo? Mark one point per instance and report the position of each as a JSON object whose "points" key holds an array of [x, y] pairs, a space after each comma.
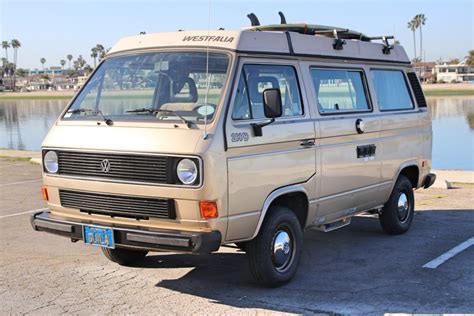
{"points": [[53, 29]]}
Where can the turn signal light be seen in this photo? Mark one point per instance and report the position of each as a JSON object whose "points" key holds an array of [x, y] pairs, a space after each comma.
{"points": [[208, 209], [44, 191]]}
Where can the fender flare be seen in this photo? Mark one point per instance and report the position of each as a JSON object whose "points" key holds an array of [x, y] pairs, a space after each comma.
{"points": [[409, 163], [271, 197]]}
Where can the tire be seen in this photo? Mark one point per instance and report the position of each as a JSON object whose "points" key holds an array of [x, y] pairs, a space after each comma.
{"points": [[396, 219], [124, 257], [274, 266]]}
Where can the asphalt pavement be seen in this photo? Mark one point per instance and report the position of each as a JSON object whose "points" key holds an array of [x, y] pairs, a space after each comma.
{"points": [[355, 270]]}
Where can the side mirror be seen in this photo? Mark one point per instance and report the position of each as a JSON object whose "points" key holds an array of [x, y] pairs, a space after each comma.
{"points": [[272, 103], [271, 108]]}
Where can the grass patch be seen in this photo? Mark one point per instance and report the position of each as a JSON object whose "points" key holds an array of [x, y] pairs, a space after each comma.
{"points": [[36, 97], [448, 92], [15, 158], [462, 183]]}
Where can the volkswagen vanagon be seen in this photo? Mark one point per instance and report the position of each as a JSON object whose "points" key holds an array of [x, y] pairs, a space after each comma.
{"points": [[192, 140]]}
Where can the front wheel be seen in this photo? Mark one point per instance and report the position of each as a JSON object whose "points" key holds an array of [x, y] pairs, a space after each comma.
{"points": [[275, 253], [397, 213], [124, 257]]}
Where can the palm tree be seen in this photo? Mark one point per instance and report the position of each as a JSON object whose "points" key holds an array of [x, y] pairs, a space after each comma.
{"points": [[94, 54], [42, 61], [81, 62], [412, 26], [15, 45], [69, 57], [5, 46], [62, 62], [420, 21], [470, 58], [100, 50]]}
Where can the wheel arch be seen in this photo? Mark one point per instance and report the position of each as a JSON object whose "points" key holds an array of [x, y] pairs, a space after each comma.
{"points": [[412, 171], [289, 197]]}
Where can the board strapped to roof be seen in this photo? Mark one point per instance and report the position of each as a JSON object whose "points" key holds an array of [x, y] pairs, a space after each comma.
{"points": [[339, 34]]}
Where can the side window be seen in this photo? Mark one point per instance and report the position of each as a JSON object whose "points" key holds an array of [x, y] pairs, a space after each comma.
{"points": [[255, 79], [340, 90], [392, 90]]}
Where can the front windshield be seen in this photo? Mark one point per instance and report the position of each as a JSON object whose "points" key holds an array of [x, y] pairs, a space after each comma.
{"points": [[156, 86]]}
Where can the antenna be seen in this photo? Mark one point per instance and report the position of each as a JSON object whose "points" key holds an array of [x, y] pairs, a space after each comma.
{"points": [[205, 135]]}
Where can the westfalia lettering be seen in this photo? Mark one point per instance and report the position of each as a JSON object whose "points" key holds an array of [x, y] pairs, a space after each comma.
{"points": [[205, 38]]}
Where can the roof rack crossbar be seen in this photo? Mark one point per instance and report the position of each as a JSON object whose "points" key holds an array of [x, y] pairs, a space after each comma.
{"points": [[386, 45]]}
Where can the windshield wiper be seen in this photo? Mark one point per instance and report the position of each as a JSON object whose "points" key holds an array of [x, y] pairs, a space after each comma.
{"points": [[107, 121], [155, 111]]}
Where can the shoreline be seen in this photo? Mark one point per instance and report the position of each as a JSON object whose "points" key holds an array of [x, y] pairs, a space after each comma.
{"points": [[438, 89]]}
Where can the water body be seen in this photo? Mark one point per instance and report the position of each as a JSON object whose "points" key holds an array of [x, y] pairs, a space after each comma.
{"points": [[24, 124]]}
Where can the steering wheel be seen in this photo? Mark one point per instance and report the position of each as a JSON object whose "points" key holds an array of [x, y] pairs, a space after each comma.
{"points": [[205, 108]]}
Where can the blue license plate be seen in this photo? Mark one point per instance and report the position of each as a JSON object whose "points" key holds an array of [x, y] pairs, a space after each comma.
{"points": [[99, 236]]}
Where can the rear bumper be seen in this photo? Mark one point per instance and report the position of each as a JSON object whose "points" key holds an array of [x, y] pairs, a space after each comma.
{"points": [[429, 180], [131, 237]]}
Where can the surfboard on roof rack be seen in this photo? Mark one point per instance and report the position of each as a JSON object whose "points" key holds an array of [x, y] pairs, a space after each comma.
{"points": [[311, 29], [304, 28]]}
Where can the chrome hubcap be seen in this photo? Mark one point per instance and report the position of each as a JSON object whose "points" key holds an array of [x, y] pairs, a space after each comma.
{"points": [[282, 249], [403, 207]]}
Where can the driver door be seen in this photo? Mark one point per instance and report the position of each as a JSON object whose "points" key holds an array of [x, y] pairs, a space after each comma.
{"points": [[282, 156]]}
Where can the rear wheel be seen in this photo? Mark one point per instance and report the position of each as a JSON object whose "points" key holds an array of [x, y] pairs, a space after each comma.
{"points": [[397, 213], [124, 257], [275, 253]]}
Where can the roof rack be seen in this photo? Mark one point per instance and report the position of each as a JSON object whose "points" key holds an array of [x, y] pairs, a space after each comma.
{"points": [[339, 34]]}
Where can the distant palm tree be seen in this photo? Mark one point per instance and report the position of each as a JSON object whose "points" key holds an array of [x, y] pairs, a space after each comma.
{"points": [[5, 46], [470, 59], [94, 54], [412, 26], [42, 61], [69, 57], [100, 50], [81, 62], [15, 45], [62, 62], [420, 21]]}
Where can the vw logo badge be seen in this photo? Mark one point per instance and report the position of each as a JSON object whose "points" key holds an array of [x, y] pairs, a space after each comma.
{"points": [[105, 165]]}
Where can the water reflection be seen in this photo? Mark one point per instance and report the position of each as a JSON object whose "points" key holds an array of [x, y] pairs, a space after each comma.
{"points": [[24, 124]]}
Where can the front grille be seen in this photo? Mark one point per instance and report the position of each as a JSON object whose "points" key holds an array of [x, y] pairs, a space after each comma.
{"points": [[123, 167], [118, 205]]}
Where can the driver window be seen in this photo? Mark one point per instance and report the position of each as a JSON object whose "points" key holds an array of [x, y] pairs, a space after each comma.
{"points": [[254, 79]]}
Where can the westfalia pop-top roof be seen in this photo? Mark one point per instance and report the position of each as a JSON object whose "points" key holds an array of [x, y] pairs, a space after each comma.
{"points": [[260, 40]]}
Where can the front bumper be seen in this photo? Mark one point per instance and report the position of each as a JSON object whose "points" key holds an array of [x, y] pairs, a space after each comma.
{"points": [[131, 237]]}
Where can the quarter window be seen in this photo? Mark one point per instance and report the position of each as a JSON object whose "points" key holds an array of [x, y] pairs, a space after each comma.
{"points": [[340, 90], [392, 90], [254, 79]]}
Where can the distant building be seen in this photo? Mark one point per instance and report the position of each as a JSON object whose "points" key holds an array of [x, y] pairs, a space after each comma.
{"points": [[426, 71], [454, 72]]}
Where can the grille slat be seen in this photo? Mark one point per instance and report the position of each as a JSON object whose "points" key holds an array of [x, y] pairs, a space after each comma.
{"points": [[123, 167], [118, 205]]}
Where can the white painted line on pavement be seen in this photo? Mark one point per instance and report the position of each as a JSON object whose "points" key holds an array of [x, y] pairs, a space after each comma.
{"points": [[21, 182], [433, 264], [23, 213]]}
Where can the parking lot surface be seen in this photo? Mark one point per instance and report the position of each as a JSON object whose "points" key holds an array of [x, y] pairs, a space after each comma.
{"points": [[355, 270]]}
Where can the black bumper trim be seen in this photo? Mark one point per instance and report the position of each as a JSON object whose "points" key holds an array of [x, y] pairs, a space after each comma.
{"points": [[429, 180], [132, 237]]}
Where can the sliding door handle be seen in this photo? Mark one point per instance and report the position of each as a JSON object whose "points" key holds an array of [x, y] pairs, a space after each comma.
{"points": [[307, 143]]}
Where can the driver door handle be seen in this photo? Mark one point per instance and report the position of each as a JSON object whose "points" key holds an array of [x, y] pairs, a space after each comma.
{"points": [[307, 143]]}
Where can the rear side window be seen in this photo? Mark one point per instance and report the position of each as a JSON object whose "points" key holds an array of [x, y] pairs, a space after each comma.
{"points": [[392, 90], [340, 90], [255, 79]]}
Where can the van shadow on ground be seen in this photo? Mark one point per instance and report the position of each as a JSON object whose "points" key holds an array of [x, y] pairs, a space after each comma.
{"points": [[357, 269]]}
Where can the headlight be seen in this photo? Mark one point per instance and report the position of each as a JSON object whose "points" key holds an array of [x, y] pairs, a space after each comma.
{"points": [[50, 162], [187, 171]]}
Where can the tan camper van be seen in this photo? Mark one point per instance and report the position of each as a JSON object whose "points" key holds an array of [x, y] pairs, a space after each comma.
{"points": [[188, 141]]}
